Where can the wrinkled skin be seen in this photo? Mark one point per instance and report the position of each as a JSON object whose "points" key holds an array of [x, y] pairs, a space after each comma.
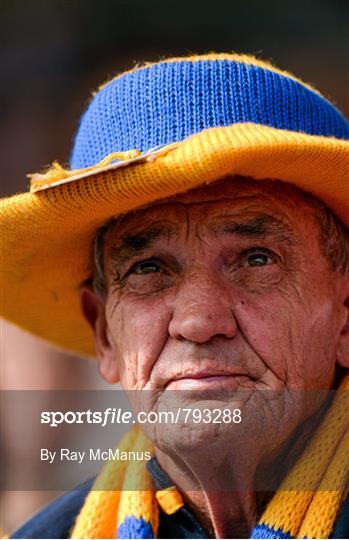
{"points": [[236, 291]]}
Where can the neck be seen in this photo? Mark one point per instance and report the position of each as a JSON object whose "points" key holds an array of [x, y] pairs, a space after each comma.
{"points": [[227, 514], [223, 514]]}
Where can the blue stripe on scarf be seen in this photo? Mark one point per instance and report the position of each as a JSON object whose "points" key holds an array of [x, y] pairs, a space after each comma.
{"points": [[263, 531], [133, 527]]}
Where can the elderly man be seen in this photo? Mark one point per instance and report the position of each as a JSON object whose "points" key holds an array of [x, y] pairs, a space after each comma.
{"points": [[202, 229]]}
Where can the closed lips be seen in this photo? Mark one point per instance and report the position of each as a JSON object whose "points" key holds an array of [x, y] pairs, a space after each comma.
{"points": [[208, 375]]}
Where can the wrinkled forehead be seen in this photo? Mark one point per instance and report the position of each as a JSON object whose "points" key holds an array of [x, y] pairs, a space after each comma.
{"points": [[237, 197]]}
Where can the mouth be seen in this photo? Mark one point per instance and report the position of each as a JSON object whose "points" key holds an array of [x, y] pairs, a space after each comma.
{"points": [[207, 379]]}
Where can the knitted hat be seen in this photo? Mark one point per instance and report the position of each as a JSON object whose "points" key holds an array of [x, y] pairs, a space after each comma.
{"points": [[150, 133]]}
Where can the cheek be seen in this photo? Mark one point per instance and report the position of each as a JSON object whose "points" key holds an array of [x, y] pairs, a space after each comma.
{"points": [[322, 334], [139, 330], [292, 333], [267, 325]]}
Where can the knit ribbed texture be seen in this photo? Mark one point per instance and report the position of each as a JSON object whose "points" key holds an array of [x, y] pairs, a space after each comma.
{"points": [[167, 102], [290, 514]]}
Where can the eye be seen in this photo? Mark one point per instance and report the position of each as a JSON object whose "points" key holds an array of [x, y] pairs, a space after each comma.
{"points": [[258, 258], [145, 267]]}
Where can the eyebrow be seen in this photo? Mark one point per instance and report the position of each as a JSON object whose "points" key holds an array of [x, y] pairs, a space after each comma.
{"points": [[260, 226], [131, 245]]}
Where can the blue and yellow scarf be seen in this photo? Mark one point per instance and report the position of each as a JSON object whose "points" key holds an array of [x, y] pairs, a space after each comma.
{"points": [[111, 510]]}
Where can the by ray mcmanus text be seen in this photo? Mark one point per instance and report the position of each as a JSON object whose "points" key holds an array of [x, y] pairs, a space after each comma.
{"points": [[92, 454]]}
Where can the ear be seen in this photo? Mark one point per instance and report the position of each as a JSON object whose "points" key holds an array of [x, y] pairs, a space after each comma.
{"points": [[93, 309], [342, 352]]}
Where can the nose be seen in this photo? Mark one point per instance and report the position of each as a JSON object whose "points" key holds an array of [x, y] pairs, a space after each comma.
{"points": [[202, 310]]}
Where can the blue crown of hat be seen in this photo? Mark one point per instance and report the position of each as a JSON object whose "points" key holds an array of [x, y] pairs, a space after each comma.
{"points": [[166, 102]]}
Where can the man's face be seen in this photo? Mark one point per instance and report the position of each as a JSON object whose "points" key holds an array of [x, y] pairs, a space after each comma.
{"points": [[217, 290]]}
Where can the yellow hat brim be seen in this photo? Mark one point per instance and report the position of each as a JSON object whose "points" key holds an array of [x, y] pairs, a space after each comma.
{"points": [[48, 235]]}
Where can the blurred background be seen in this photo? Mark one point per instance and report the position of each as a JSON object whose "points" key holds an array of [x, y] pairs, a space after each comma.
{"points": [[55, 52]]}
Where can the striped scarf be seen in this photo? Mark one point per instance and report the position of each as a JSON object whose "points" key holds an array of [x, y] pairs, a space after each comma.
{"points": [[111, 510]]}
